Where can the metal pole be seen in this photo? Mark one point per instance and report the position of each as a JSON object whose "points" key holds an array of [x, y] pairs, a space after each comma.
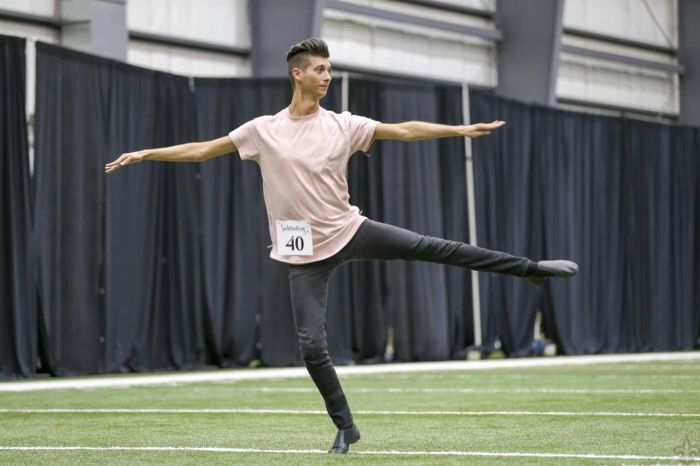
{"points": [[30, 97], [344, 90], [471, 207]]}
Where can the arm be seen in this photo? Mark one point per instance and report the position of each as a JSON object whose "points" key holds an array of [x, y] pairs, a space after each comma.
{"points": [[190, 152], [418, 130]]}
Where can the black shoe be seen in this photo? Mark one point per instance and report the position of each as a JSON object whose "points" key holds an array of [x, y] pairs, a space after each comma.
{"points": [[344, 438]]}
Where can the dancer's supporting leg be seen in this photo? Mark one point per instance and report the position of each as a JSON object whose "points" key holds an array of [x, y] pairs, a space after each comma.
{"points": [[309, 288]]}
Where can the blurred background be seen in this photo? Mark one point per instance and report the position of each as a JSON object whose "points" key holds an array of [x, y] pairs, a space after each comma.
{"points": [[164, 266]]}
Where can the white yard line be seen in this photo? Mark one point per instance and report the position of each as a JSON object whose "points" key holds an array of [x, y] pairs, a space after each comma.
{"points": [[576, 391], [595, 456], [321, 412], [300, 372]]}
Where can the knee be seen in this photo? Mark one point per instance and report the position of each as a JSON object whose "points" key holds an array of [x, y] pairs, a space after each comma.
{"points": [[314, 352]]}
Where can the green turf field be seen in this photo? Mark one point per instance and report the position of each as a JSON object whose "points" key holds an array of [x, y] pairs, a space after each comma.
{"points": [[544, 416]]}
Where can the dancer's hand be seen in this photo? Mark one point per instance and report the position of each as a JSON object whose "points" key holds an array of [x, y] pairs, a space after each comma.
{"points": [[125, 159], [482, 129]]}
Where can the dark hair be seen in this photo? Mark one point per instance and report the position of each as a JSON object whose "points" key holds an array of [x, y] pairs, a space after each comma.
{"points": [[298, 54]]}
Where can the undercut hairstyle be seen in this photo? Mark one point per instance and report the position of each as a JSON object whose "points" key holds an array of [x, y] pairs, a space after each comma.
{"points": [[298, 54]]}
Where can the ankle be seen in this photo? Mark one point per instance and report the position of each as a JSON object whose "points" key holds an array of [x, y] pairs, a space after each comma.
{"points": [[534, 271]]}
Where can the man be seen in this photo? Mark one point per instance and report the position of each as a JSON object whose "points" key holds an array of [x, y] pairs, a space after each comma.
{"points": [[302, 152]]}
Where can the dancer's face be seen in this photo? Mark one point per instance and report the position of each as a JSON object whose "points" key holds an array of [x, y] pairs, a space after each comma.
{"points": [[316, 77]]}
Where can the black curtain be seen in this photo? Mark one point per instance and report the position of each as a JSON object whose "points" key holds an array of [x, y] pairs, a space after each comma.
{"points": [[580, 173], [120, 279], [153, 264], [70, 144], [419, 186], [660, 208], [618, 196], [165, 266], [18, 341], [508, 218]]}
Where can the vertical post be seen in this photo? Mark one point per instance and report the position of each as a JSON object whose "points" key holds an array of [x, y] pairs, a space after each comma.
{"points": [[275, 26], [344, 91], [471, 207], [95, 26], [30, 97], [528, 53], [688, 39]]}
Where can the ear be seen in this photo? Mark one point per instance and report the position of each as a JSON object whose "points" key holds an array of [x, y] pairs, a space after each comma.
{"points": [[296, 73]]}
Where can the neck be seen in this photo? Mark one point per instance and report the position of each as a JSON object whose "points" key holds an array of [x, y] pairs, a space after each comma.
{"points": [[303, 104]]}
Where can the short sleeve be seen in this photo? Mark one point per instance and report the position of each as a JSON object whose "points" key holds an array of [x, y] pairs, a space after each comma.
{"points": [[361, 130], [245, 138]]}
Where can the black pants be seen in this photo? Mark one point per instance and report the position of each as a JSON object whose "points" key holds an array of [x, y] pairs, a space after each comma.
{"points": [[374, 240]]}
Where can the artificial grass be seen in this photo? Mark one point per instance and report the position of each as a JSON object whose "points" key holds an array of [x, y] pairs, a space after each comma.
{"points": [[505, 390]]}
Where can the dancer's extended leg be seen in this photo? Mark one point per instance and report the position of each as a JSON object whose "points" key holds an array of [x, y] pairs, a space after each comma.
{"points": [[376, 240]]}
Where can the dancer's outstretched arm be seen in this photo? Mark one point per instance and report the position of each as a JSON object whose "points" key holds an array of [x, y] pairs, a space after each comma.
{"points": [[419, 130], [190, 152]]}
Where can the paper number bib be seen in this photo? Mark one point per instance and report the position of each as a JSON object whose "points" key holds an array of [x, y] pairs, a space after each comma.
{"points": [[294, 238]]}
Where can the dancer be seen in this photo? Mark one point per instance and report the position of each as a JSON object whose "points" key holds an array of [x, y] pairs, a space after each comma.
{"points": [[302, 152]]}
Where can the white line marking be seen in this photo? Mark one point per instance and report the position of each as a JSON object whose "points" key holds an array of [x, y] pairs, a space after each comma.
{"points": [[601, 391], [354, 452], [294, 372], [567, 374], [657, 368], [365, 412]]}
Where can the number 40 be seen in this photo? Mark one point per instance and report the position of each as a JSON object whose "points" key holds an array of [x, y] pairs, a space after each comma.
{"points": [[295, 243]]}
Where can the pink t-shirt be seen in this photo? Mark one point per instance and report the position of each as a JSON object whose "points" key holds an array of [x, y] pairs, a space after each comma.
{"points": [[303, 161]]}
